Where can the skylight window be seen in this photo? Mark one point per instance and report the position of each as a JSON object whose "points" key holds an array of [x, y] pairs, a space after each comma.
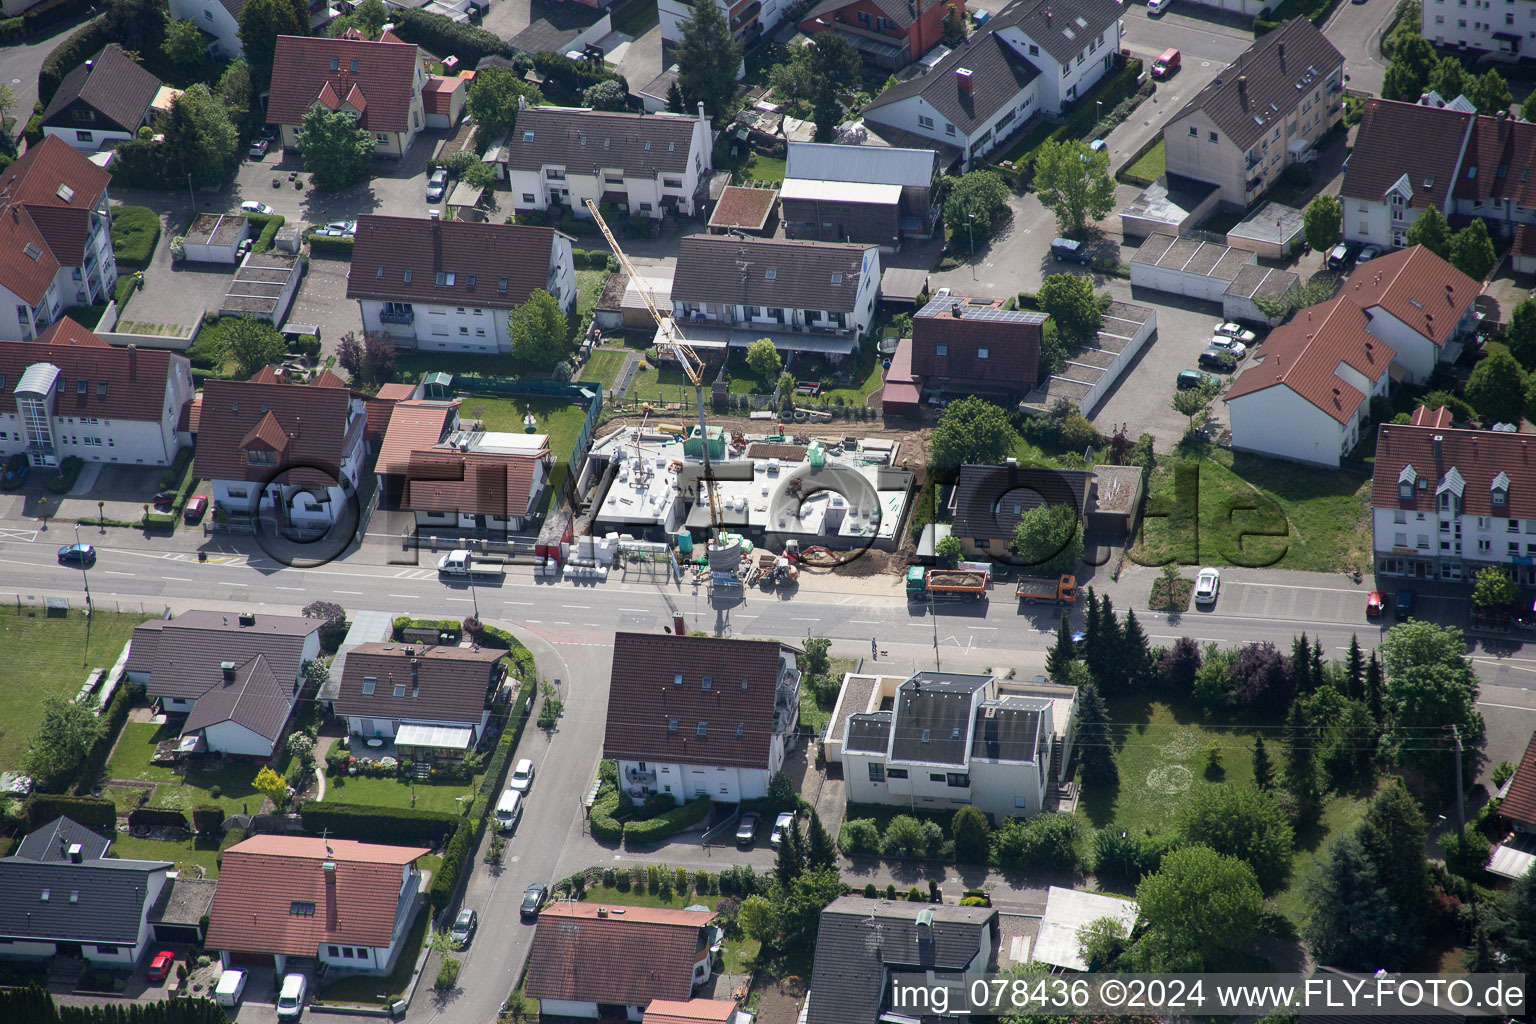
{"points": [[528, 137], [837, 278], [66, 193], [1471, 172], [32, 251], [407, 277], [444, 280], [380, 274], [501, 285], [771, 274]]}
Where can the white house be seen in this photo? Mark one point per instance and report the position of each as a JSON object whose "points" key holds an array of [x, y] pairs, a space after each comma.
{"points": [[379, 84], [1481, 28], [432, 702], [1419, 304], [103, 101], [56, 245], [66, 896], [1308, 395], [952, 739], [1408, 156], [643, 163], [451, 285], [219, 19], [70, 393], [347, 904], [700, 716], [1031, 57]]}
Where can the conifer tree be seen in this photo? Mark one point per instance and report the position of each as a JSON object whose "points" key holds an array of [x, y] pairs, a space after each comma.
{"points": [[1263, 770]]}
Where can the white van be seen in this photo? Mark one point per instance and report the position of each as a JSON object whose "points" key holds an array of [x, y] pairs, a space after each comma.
{"points": [[509, 810], [230, 988], [290, 1000]]}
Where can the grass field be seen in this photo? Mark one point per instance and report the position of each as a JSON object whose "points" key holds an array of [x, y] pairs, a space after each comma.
{"points": [[666, 384], [380, 989], [603, 367], [558, 418], [186, 853], [131, 759], [1151, 164], [1238, 509], [589, 288], [765, 168], [370, 792], [135, 229], [49, 656], [135, 747]]}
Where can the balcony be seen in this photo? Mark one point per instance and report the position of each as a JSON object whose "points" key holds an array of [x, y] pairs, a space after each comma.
{"points": [[405, 316], [745, 14], [637, 776]]}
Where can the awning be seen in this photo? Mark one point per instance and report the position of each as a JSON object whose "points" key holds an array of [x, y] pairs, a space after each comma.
{"points": [[1510, 862], [443, 737]]}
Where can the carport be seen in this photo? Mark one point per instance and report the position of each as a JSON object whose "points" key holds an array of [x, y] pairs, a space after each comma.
{"points": [[178, 914]]}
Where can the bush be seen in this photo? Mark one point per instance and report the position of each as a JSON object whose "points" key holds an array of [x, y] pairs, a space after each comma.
{"points": [[368, 824], [135, 230], [69, 472], [1047, 841], [96, 758], [606, 827], [79, 47], [268, 225], [664, 825], [465, 838], [157, 817], [442, 35], [870, 892], [41, 808], [860, 835], [208, 818], [447, 974], [329, 243]]}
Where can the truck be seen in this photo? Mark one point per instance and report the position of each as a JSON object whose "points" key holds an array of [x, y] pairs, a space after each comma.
{"points": [[966, 581], [459, 563], [1047, 589]]}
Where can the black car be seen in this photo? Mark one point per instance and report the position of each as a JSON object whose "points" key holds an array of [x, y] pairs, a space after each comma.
{"points": [[464, 927], [1402, 605], [81, 556], [533, 898], [1214, 359]]}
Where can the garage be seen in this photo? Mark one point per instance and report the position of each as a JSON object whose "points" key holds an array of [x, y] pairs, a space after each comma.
{"points": [[1196, 269], [216, 238], [1522, 256], [178, 915]]}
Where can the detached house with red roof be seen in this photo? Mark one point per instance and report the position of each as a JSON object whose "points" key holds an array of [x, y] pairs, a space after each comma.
{"points": [[450, 286], [70, 393], [55, 237], [379, 84], [700, 716], [347, 904]]}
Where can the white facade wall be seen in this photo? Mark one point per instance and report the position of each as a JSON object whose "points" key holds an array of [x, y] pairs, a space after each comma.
{"points": [[567, 1008], [727, 784], [177, 705], [1060, 84], [675, 12], [1178, 282], [1277, 421], [363, 958], [236, 739], [362, 725], [1472, 27], [1380, 223], [97, 439], [537, 190], [22, 949], [212, 17], [915, 114], [1416, 354], [87, 140]]}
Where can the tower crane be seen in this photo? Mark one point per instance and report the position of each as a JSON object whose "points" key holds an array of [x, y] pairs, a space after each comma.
{"points": [[693, 366]]}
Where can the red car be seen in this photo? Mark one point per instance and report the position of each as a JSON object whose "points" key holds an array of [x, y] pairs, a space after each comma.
{"points": [[196, 506], [160, 966], [1374, 604]]}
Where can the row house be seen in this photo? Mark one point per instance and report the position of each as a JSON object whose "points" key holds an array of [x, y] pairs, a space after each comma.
{"points": [[746, 19], [378, 84], [71, 394], [888, 34], [55, 237], [643, 163], [450, 286], [1262, 113], [1446, 503], [813, 297]]}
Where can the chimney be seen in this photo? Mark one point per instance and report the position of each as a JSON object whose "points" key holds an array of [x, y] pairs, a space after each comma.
{"points": [[133, 362], [702, 116], [76, 853], [963, 79], [677, 625], [1242, 88], [228, 670], [1439, 446], [247, 618], [1280, 52], [329, 867], [522, 104], [434, 214], [1047, 17], [602, 911]]}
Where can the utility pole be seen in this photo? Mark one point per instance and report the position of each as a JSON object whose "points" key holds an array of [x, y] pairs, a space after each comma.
{"points": [[190, 194], [85, 656], [1461, 814], [933, 613]]}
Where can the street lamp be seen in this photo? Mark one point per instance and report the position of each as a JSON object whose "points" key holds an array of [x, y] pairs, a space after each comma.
{"points": [[1098, 111], [101, 515], [970, 225], [85, 656]]}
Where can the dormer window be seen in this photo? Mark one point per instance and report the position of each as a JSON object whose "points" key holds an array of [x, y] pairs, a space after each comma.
{"points": [[1498, 491], [1405, 482], [335, 63], [677, 680]]}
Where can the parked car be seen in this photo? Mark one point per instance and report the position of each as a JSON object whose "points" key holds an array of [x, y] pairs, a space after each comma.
{"points": [[290, 998], [165, 498], [437, 185], [1158, 6], [464, 927], [341, 227], [780, 826], [231, 987], [522, 776], [80, 555], [160, 966], [1341, 256], [1194, 379], [1236, 332], [943, 293], [1222, 343], [196, 506], [1370, 252], [1374, 604], [1165, 66], [1098, 146], [1207, 583], [258, 148], [252, 206], [1216, 359], [1067, 249], [533, 899], [746, 829], [1402, 605]]}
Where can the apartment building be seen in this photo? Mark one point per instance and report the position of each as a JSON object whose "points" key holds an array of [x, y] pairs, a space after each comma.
{"points": [[378, 84], [1506, 30]]}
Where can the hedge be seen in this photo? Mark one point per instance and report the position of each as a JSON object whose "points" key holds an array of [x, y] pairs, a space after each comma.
{"points": [[445, 37], [574, 76], [466, 836], [1109, 92], [208, 817], [157, 817], [372, 824], [41, 808], [329, 243], [81, 45], [51, 12], [670, 823], [605, 826], [269, 223], [111, 724]]}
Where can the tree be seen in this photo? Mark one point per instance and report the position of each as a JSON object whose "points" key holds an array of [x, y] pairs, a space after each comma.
{"points": [[478, 175], [1430, 687], [333, 617], [335, 148], [1352, 924], [1472, 250], [1180, 662], [138, 26], [1135, 651], [803, 904], [973, 836], [235, 91], [1073, 182], [1494, 588], [1189, 404], [708, 60], [251, 343], [1321, 222], [791, 858], [349, 354], [1450, 79], [1393, 835], [261, 22], [608, 94], [820, 850], [781, 792], [1049, 539], [200, 140], [1512, 922], [1354, 669], [1072, 306], [1101, 942], [763, 359], [1243, 823], [1263, 771], [1488, 92], [817, 662], [1317, 288], [183, 44], [271, 785], [1467, 852], [759, 919], [904, 837], [974, 200], [1521, 335], [1496, 388], [539, 330], [493, 102], [1300, 776], [1063, 652], [971, 431], [1261, 678], [378, 358], [61, 742], [1432, 232], [674, 99], [949, 550], [370, 16], [1412, 61], [1093, 740], [1103, 654], [1374, 690], [1197, 906]]}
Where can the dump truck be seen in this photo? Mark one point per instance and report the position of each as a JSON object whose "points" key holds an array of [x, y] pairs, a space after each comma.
{"points": [[1047, 589], [459, 563], [959, 582]]}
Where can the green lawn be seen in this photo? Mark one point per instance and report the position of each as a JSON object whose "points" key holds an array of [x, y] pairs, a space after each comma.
{"points": [[1293, 517], [1342, 814], [739, 954], [186, 853], [765, 168], [182, 792], [667, 384], [135, 748], [867, 371], [370, 792], [1151, 165], [380, 989], [135, 229], [50, 656], [813, 714], [603, 367], [558, 418], [589, 288]]}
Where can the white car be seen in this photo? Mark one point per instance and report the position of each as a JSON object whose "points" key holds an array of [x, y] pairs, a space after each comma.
{"points": [[1370, 252], [252, 206], [1236, 333], [1206, 586], [522, 776], [780, 826], [1158, 6], [290, 999], [1224, 344]]}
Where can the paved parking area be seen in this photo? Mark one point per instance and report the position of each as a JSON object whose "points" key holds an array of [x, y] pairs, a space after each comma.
{"points": [[322, 300], [179, 293], [397, 187]]}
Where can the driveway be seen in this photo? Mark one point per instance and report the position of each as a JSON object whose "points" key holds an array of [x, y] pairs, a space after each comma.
{"points": [[20, 64], [396, 187], [323, 300]]}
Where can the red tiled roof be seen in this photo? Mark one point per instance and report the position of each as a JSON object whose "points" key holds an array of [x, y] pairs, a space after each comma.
{"points": [[1395, 139], [262, 878], [474, 483], [41, 215], [314, 420], [1416, 286], [413, 426], [1520, 802], [493, 265], [385, 80], [1305, 355], [268, 432], [1500, 158], [628, 957], [1477, 456], [437, 97], [1525, 240], [447, 684], [329, 378], [396, 392], [692, 1011], [137, 381], [1439, 418], [644, 697]]}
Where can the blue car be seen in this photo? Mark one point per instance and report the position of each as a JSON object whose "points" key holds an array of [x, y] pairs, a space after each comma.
{"points": [[1402, 605], [80, 555]]}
